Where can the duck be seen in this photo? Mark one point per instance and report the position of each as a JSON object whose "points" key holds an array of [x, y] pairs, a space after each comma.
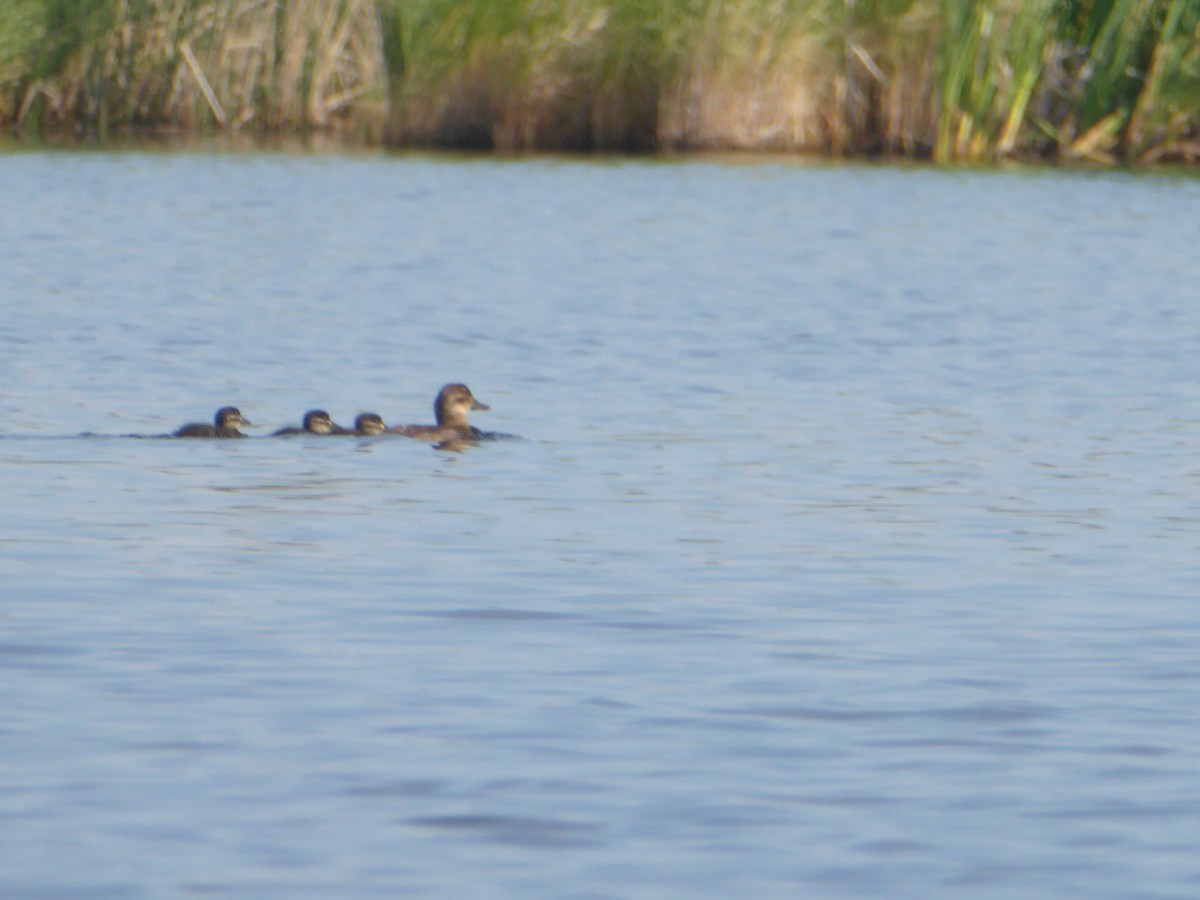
{"points": [[316, 421], [225, 425], [450, 409], [369, 424]]}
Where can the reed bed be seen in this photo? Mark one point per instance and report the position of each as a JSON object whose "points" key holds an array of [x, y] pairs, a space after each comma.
{"points": [[194, 64], [1102, 80]]}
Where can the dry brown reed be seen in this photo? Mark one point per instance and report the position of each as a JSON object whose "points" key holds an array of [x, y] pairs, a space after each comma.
{"points": [[306, 63], [761, 75], [747, 80]]}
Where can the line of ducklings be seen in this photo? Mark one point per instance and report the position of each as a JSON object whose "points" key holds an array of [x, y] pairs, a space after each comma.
{"points": [[450, 408]]}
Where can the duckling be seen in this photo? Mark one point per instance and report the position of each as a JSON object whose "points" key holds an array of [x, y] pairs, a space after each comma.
{"points": [[450, 408], [369, 424], [316, 421], [225, 425]]}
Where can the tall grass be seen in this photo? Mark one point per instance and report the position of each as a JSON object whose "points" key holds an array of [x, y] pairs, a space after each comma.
{"points": [[1105, 80], [192, 63], [955, 79], [990, 59], [671, 74], [1130, 76], [525, 73]]}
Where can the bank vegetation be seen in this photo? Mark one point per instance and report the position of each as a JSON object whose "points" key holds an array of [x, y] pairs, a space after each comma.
{"points": [[1103, 80]]}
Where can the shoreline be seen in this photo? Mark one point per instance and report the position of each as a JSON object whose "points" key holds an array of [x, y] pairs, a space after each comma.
{"points": [[175, 140]]}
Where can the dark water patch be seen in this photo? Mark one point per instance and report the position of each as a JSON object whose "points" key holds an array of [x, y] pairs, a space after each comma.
{"points": [[1181, 676], [516, 831], [402, 789], [995, 714], [82, 891], [1137, 750], [995, 745], [646, 625], [282, 854], [23, 656], [804, 656], [894, 847], [207, 889], [1124, 810], [814, 714], [1030, 874], [497, 614], [1126, 773], [607, 703], [839, 800], [539, 787], [1093, 841], [180, 747], [162, 834]]}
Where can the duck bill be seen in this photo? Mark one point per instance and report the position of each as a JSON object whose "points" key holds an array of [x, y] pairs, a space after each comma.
{"points": [[475, 404]]}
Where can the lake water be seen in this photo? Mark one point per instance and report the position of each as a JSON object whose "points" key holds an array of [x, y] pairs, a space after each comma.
{"points": [[851, 548]]}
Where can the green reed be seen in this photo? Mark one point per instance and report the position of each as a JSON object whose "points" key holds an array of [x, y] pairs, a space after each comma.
{"points": [[1104, 80], [1130, 76], [990, 61]]}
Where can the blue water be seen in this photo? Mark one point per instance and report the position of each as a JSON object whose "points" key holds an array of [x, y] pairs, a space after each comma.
{"points": [[851, 548]]}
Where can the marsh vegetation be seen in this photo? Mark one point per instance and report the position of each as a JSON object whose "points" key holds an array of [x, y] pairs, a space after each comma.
{"points": [[1103, 80]]}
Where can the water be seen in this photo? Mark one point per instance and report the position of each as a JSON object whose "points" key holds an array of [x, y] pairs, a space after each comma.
{"points": [[851, 549]]}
